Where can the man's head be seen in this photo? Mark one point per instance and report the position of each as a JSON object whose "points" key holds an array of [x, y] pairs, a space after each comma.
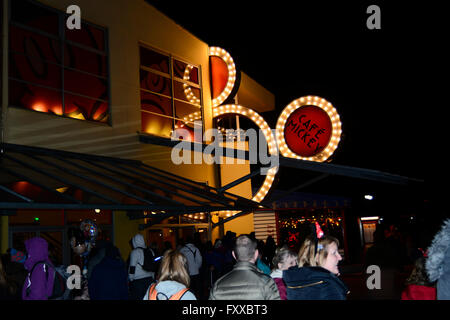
{"points": [[245, 249]]}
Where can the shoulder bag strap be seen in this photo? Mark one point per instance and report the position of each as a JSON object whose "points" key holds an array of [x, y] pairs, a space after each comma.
{"points": [[152, 292], [179, 294]]}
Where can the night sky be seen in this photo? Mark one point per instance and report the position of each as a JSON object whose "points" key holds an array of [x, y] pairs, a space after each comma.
{"points": [[383, 83]]}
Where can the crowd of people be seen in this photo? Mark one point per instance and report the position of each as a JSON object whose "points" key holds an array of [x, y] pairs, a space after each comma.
{"points": [[233, 268]]}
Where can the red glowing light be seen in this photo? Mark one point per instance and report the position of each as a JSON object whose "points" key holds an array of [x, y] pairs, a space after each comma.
{"points": [[308, 131]]}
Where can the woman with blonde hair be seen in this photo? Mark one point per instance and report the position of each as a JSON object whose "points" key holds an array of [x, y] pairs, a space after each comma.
{"points": [[173, 279], [316, 277]]}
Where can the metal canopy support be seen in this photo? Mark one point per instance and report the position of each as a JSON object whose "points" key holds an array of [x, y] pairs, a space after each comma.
{"points": [[199, 187], [134, 186], [307, 183], [237, 215], [80, 169], [170, 212], [239, 181], [156, 219], [17, 195], [191, 146], [81, 176], [42, 186], [169, 184], [57, 178], [340, 170], [121, 207]]}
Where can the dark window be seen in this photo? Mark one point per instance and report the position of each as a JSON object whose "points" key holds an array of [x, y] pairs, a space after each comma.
{"points": [[56, 70], [170, 94]]}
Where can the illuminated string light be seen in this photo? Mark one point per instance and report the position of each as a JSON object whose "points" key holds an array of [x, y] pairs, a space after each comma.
{"points": [[335, 122], [225, 56], [262, 124], [187, 88]]}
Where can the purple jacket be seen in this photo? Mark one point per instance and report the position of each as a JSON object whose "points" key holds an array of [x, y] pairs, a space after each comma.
{"points": [[40, 289]]}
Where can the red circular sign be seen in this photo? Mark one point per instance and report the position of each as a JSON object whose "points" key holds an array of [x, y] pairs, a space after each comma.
{"points": [[308, 131]]}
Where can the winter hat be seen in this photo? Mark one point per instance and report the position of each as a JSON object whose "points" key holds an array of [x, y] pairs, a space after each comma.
{"points": [[17, 256]]}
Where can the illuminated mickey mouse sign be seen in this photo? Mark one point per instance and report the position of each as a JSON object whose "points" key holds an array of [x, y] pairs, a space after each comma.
{"points": [[309, 128], [307, 131]]}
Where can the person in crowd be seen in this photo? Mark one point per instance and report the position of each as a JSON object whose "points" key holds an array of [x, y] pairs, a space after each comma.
{"points": [[109, 278], [438, 261], [316, 277], [269, 251], [245, 282], [260, 264], [386, 254], [39, 281], [7, 288], [139, 278], [228, 243], [284, 259], [418, 287], [14, 272], [194, 262], [215, 260], [96, 255], [173, 279]]}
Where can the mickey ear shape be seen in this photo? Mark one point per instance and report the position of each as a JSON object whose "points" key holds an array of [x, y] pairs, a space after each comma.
{"points": [[319, 232]]}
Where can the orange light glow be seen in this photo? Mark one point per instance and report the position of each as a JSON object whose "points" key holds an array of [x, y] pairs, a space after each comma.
{"points": [[39, 106], [20, 186], [57, 110], [77, 116]]}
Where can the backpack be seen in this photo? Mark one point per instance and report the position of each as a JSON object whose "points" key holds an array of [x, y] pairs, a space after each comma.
{"points": [[59, 283], [149, 264], [194, 253], [152, 293]]}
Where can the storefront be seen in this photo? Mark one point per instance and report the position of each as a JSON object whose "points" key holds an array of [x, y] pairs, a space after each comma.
{"points": [[94, 121]]}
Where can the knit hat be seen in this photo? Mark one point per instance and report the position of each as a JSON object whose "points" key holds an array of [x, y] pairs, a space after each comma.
{"points": [[17, 256]]}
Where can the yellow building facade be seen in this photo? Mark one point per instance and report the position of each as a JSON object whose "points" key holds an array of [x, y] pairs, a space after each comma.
{"points": [[131, 29]]}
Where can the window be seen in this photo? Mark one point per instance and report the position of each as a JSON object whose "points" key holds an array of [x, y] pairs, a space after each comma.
{"points": [[56, 70], [171, 94]]}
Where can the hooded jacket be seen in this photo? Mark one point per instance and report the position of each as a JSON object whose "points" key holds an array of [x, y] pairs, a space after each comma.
{"points": [[137, 260], [313, 283], [109, 277], [194, 258], [438, 261], [39, 287], [245, 282], [168, 288]]}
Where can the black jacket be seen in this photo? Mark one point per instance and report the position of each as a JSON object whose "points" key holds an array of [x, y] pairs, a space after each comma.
{"points": [[313, 283]]}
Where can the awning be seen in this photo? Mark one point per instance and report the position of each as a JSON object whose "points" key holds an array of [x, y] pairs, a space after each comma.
{"points": [[39, 178]]}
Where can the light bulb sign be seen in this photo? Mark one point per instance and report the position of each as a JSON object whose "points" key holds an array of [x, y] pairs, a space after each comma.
{"points": [[309, 128]]}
